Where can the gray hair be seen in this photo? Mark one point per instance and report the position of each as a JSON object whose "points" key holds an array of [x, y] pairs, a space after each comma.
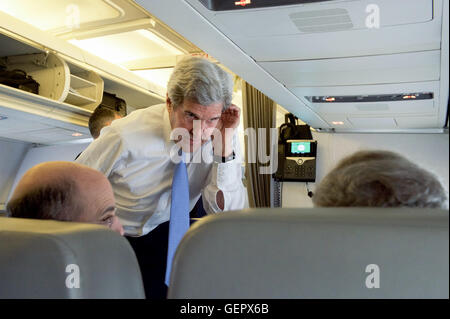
{"points": [[379, 178], [200, 81]]}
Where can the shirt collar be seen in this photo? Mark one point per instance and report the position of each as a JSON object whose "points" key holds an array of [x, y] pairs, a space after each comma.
{"points": [[167, 128]]}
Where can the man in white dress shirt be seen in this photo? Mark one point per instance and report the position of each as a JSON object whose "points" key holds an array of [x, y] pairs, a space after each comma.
{"points": [[136, 154]]}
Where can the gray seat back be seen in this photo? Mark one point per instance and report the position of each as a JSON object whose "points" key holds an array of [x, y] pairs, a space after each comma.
{"points": [[51, 259], [315, 253]]}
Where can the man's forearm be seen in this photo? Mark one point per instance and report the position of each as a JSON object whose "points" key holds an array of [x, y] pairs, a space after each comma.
{"points": [[220, 200]]}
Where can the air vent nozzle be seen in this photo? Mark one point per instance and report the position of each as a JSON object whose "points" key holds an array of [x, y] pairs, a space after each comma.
{"points": [[328, 20]]}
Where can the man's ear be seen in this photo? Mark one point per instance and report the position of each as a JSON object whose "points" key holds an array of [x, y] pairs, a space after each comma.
{"points": [[168, 103]]}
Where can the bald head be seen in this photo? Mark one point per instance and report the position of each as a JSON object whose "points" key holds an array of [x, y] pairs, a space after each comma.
{"points": [[64, 191]]}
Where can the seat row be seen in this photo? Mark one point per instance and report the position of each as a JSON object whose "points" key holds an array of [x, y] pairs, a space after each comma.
{"points": [[255, 253]]}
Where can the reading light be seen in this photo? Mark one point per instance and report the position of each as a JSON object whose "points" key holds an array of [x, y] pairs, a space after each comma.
{"points": [[242, 2], [337, 123], [76, 134], [372, 98]]}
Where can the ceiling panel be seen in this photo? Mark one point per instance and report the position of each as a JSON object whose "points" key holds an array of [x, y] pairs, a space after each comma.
{"points": [[36, 132], [382, 69], [297, 19], [275, 33], [9, 126]]}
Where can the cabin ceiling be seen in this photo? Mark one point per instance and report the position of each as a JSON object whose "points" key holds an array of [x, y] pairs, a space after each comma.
{"points": [[38, 130], [331, 50], [295, 54]]}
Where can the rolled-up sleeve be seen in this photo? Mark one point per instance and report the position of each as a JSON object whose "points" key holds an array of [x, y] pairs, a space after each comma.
{"points": [[226, 177]]}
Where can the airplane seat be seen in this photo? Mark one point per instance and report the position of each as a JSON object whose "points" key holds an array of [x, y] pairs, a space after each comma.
{"points": [[315, 253], [53, 259]]}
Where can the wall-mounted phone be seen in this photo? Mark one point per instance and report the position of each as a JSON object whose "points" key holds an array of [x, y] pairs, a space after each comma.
{"points": [[298, 161], [297, 153]]}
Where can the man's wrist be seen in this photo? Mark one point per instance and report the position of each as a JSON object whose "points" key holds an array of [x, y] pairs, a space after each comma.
{"points": [[227, 152], [224, 159], [223, 149]]}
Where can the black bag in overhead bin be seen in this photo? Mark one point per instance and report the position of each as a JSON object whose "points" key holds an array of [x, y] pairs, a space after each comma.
{"points": [[19, 80], [112, 102]]}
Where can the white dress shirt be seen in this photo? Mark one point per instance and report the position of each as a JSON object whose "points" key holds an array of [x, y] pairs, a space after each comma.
{"points": [[134, 153]]}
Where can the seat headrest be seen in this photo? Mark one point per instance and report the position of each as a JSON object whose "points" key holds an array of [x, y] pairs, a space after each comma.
{"points": [[315, 253], [53, 259]]}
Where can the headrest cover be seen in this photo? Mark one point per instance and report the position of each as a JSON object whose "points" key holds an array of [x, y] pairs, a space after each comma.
{"points": [[53, 259]]}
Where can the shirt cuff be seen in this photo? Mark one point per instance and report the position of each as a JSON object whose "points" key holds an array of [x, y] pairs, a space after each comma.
{"points": [[227, 175]]}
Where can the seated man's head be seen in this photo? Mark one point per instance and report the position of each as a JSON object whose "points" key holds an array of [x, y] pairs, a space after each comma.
{"points": [[100, 118], [379, 178], [199, 91], [65, 191]]}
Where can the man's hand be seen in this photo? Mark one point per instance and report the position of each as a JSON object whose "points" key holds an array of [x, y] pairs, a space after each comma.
{"points": [[229, 118], [228, 122]]}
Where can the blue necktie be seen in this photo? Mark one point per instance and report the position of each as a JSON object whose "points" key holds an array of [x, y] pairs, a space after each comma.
{"points": [[179, 213]]}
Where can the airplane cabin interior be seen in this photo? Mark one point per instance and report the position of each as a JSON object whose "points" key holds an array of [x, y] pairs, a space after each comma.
{"points": [[338, 76]]}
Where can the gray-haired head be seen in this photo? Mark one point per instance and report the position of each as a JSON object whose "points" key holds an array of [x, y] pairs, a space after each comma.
{"points": [[379, 178], [200, 81]]}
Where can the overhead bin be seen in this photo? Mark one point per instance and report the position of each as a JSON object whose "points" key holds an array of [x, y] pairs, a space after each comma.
{"points": [[330, 48], [31, 117], [134, 89], [407, 73], [329, 29], [71, 81], [379, 69], [289, 20], [59, 80]]}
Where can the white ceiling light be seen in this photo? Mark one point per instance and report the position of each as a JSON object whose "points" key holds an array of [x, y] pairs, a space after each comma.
{"points": [[127, 46], [158, 76], [54, 14], [163, 44]]}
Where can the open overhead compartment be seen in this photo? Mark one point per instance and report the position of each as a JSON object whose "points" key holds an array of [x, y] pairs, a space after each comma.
{"points": [[59, 80], [71, 85], [43, 117]]}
